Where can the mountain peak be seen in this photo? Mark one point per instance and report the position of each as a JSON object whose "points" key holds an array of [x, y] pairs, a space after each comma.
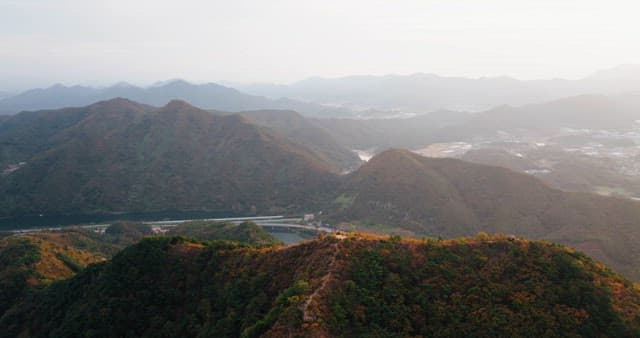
{"points": [[170, 82], [122, 84], [176, 83], [178, 104], [58, 85], [394, 155]]}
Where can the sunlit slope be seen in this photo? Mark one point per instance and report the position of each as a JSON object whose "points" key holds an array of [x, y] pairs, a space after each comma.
{"points": [[359, 286]]}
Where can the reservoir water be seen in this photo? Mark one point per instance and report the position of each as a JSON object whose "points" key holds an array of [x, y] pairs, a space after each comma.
{"points": [[288, 237]]}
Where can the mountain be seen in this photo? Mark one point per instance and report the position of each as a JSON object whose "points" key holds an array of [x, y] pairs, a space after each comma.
{"points": [[420, 92], [399, 191], [580, 112], [358, 286], [56, 96], [308, 133], [209, 96], [119, 156]]}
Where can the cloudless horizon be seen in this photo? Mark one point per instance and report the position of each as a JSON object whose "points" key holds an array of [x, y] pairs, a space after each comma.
{"points": [[283, 41]]}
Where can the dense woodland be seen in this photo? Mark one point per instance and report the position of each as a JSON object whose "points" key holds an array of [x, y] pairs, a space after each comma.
{"points": [[34, 261], [336, 286]]}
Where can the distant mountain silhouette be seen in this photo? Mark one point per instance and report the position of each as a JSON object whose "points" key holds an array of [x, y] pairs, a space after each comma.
{"points": [[421, 93], [578, 112], [208, 96]]}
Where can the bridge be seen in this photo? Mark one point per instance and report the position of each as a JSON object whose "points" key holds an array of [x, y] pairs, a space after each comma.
{"points": [[277, 221], [294, 226]]}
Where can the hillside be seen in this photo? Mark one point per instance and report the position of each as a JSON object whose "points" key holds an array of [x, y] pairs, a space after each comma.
{"points": [[401, 191], [359, 286], [28, 262], [245, 232], [209, 96], [120, 156], [308, 133], [32, 261]]}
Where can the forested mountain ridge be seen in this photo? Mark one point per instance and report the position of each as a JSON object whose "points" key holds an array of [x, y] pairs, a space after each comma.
{"points": [[118, 155], [32, 261], [336, 286], [208, 95]]}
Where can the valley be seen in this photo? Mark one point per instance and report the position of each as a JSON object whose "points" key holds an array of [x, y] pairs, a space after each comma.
{"points": [[321, 169], [119, 157]]}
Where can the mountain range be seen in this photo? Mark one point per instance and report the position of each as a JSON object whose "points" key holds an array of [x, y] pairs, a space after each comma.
{"points": [[120, 156], [579, 112], [352, 96], [209, 96], [421, 93]]}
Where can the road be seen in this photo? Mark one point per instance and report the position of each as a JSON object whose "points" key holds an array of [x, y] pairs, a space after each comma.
{"points": [[277, 221]]}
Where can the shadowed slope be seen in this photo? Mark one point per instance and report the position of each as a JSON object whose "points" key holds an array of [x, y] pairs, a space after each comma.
{"points": [[121, 156], [449, 197]]}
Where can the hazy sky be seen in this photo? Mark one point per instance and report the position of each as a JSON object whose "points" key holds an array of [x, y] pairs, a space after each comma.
{"points": [[142, 41]]}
